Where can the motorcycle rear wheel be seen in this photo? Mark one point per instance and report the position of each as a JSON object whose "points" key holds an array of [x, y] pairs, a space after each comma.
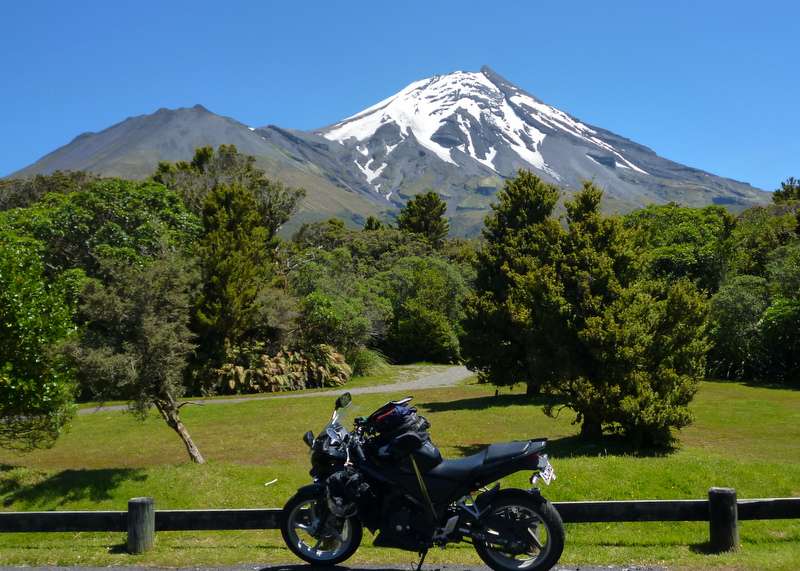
{"points": [[531, 516], [315, 535]]}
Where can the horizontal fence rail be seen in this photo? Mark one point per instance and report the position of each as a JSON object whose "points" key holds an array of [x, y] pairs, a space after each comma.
{"points": [[210, 520], [269, 518], [633, 510], [721, 501]]}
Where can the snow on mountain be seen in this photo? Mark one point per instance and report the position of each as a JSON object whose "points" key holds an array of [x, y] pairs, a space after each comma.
{"points": [[468, 101]]}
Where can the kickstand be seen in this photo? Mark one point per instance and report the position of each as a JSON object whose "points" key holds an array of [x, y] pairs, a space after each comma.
{"points": [[422, 555]]}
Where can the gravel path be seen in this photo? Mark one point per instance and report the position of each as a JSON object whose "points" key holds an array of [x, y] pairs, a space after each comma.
{"points": [[447, 378]]}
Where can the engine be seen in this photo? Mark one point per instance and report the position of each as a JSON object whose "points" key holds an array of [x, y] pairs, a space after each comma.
{"points": [[403, 526], [348, 493]]}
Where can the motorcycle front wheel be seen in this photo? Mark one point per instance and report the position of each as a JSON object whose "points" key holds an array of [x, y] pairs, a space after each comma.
{"points": [[529, 531], [314, 534]]}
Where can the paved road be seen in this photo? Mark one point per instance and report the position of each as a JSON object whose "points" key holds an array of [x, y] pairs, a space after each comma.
{"points": [[449, 377], [295, 567]]}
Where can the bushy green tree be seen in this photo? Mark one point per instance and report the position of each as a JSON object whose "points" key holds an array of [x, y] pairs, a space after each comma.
{"points": [[639, 343], [425, 215], [110, 218], [426, 294], [409, 293], [334, 320], [504, 340], [780, 324], [677, 241], [780, 331], [340, 306], [37, 388], [783, 270], [235, 269], [135, 340], [226, 166], [758, 232], [735, 320], [24, 192], [789, 190], [622, 350]]}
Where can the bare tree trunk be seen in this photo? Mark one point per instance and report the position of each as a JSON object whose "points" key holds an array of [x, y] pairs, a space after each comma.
{"points": [[533, 389], [591, 429], [169, 412]]}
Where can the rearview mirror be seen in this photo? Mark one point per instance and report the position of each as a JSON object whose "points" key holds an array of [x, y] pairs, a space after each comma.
{"points": [[308, 438], [343, 400]]}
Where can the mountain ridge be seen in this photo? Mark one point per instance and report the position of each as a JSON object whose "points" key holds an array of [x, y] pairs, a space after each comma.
{"points": [[461, 133]]}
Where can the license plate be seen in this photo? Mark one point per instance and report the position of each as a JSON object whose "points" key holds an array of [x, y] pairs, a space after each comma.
{"points": [[547, 474]]}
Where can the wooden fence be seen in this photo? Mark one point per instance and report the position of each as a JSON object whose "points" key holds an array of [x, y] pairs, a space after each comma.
{"points": [[722, 510]]}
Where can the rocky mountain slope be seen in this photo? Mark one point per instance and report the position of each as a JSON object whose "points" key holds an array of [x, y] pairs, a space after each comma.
{"points": [[462, 134]]}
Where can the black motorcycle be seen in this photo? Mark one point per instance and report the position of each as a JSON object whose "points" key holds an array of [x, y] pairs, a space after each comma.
{"points": [[387, 475]]}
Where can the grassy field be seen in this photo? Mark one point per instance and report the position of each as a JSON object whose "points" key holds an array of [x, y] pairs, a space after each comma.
{"points": [[744, 437]]}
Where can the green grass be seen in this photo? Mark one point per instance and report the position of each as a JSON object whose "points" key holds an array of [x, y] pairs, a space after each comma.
{"points": [[744, 437]]}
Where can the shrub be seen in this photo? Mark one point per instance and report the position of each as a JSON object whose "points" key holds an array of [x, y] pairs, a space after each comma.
{"points": [[365, 362], [289, 370], [334, 320]]}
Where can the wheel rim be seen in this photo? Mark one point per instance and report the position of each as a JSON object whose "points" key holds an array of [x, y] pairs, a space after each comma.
{"points": [[528, 524], [317, 539]]}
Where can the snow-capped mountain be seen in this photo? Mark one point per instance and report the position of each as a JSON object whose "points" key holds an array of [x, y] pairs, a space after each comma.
{"points": [[477, 124], [461, 134], [466, 115]]}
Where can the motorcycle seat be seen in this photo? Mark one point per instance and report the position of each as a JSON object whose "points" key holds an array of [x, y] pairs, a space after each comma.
{"points": [[465, 467], [459, 469], [506, 450]]}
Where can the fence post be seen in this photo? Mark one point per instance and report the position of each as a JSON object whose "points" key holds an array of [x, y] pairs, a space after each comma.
{"points": [[141, 525], [723, 518]]}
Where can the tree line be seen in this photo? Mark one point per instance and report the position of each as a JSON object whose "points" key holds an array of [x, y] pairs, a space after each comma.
{"points": [[181, 285]]}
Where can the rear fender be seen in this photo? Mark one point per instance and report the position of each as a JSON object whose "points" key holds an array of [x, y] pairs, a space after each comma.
{"points": [[517, 494]]}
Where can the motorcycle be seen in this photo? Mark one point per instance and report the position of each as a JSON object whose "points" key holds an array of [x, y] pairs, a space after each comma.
{"points": [[387, 475]]}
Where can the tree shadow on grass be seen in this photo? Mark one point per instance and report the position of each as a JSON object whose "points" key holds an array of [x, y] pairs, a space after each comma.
{"points": [[63, 487], [565, 446], [575, 446], [481, 403], [703, 548], [754, 384]]}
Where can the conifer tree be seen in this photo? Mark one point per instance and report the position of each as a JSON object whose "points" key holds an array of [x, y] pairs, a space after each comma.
{"points": [[372, 223], [789, 190], [234, 267], [571, 313], [504, 341], [196, 179], [424, 215]]}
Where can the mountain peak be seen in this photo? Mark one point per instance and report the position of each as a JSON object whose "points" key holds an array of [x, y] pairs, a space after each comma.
{"points": [[461, 133], [476, 117]]}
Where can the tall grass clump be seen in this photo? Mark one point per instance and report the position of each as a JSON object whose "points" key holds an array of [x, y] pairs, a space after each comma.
{"points": [[366, 362]]}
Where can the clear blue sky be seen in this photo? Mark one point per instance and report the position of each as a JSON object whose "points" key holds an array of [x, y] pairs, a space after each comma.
{"points": [[712, 84]]}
